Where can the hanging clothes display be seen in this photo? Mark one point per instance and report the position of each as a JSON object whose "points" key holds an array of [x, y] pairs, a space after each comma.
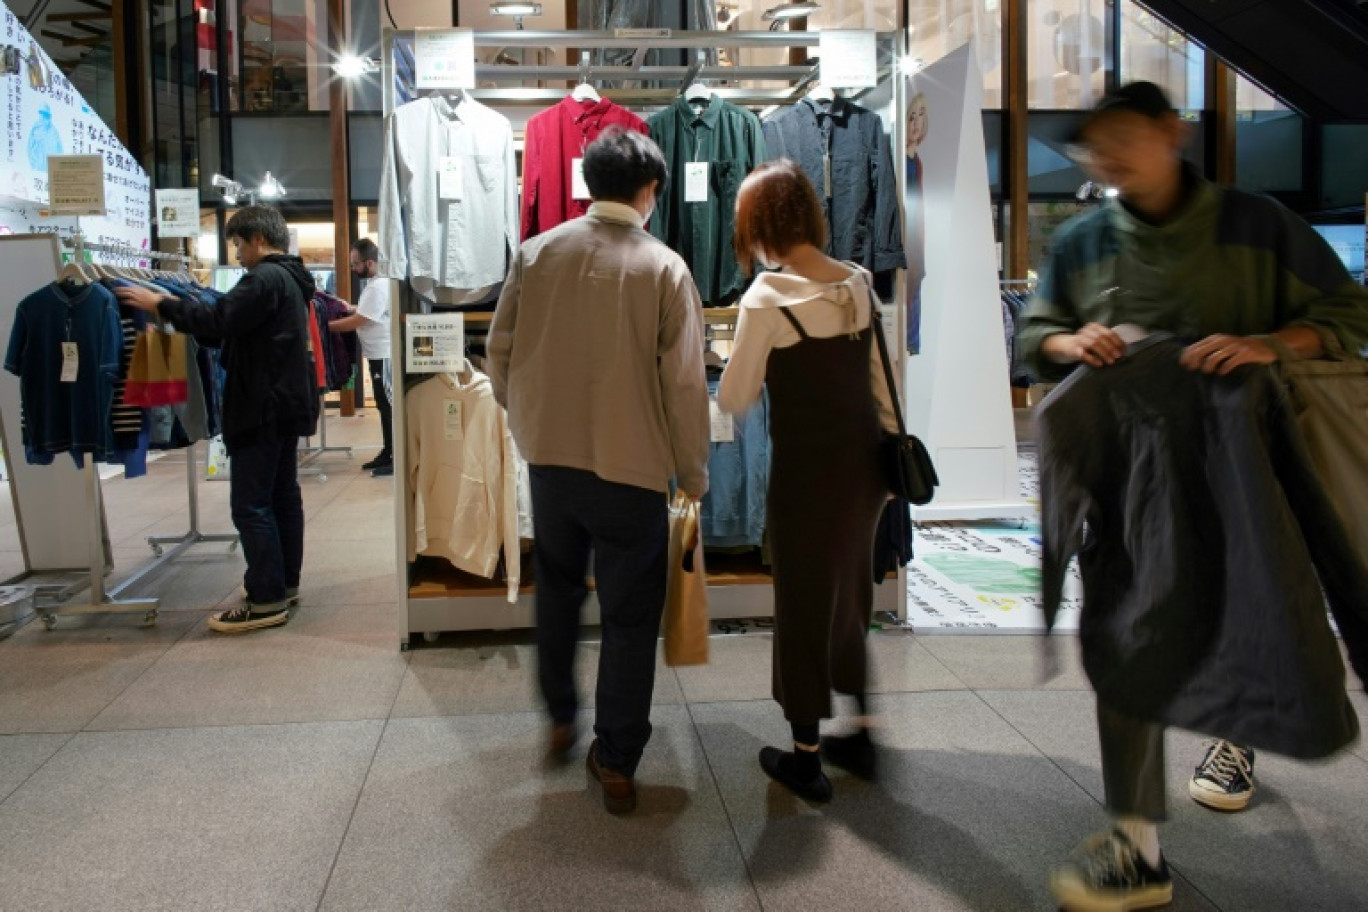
{"points": [[337, 353], [734, 509], [448, 198], [843, 150], [709, 149], [66, 347], [554, 144], [462, 479]]}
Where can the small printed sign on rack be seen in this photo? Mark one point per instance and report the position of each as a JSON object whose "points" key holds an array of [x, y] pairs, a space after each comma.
{"points": [[434, 343], [444, 58], [76, 184], [850, 58], [642, 33], [178, 213]]}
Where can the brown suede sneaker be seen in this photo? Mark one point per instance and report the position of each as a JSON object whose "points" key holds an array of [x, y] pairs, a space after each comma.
{"points": [[560, 743], [619, 792]]}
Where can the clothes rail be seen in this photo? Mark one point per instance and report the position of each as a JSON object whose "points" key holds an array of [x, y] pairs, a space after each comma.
{"points": [[165, 549], [79, 244]]}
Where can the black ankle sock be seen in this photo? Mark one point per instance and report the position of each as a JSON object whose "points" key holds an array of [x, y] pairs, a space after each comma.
{"points": [[807, 764]]}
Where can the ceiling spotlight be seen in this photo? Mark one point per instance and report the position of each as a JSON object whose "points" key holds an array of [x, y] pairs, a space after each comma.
{"points": [[786, 11], [270, 188], [515, 9], [350, 66], [1111, 193]]}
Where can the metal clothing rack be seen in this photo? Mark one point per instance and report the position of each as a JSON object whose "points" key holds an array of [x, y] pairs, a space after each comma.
{"points": [[101, 600], [310, 454]]}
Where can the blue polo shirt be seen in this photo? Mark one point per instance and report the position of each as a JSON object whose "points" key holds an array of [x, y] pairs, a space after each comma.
{"points": [[66, 417]]}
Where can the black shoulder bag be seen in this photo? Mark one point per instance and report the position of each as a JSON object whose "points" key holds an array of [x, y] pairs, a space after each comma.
{"points": [[911, 474]]}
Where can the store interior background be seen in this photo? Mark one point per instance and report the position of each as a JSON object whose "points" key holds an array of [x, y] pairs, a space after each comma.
{"points": [[242, 87]]}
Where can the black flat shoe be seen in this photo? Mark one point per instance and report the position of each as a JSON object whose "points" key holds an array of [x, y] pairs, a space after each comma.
{"points": [[778, 765], [853, 753]]}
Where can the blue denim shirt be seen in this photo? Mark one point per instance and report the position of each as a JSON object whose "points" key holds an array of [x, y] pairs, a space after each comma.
{"points": [[733, 514]]}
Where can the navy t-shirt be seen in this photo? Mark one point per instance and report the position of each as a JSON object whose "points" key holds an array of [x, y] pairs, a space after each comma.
{"points": [[66, 417]]}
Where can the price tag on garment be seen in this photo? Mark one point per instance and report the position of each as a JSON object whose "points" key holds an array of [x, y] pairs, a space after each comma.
{"points": [[578, 188], [696, 182], [452, 423], [723, 425], [451, 179], [71, 362]]}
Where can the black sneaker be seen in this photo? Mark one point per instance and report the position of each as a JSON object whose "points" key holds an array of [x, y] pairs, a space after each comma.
{"points": [[383, 459], [248, 617], [292, 597], [1108, 874], [853, 753], [1224, 780], [778, 765], [384, 471]]}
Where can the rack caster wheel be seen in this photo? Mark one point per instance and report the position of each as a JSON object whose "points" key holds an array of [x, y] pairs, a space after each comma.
{"points": [[49, 622], [156, 550], [430, 637], [149, 619], [322, 479]]}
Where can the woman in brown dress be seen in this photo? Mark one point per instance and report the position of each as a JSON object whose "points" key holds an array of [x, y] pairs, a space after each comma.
{"points": [[806, 332]]}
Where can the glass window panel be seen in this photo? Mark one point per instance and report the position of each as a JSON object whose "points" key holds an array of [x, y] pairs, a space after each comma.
{"points": [[1155, 52], [1345, 165], [1068, 52], [937, 27], [1268, 142]]}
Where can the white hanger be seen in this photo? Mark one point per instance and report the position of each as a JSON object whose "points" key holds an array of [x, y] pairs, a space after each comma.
{"points": [[698, 92], [585, 92], [823, 93]]}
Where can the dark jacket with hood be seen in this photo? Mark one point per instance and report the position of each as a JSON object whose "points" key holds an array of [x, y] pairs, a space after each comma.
{"points": [[262, 327], [1204, 540]]}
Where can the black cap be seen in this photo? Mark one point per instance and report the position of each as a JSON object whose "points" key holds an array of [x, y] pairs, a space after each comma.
{"points": [[1140, 97]]}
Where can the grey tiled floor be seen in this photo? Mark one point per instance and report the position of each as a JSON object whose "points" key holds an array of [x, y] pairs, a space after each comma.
{"points": [[317, 767]]}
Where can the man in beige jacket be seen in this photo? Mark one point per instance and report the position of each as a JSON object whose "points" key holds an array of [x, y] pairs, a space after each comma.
{"points": [[596, 350]]}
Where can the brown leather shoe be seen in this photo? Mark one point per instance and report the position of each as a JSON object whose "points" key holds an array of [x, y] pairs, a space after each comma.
{"points": [[619, 791], [560, 744]]}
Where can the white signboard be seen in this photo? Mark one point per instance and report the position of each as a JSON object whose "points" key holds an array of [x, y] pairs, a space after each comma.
{"points": [[76, 184], [434, 343], [53, 119], [444, 59], [178, 213], [850, 58]]}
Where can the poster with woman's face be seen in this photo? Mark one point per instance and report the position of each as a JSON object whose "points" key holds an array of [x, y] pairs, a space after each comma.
{"points": [[917, 124]]}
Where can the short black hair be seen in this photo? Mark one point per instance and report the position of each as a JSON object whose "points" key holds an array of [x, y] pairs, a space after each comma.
{"points": [[251, 222], [366, 249], [621, 163]]}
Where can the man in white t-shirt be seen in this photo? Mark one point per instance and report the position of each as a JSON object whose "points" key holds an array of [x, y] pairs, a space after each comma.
{"points": [[371, 321]]}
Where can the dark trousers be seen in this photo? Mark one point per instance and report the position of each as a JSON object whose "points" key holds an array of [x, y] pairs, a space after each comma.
{"points": [[627, 530], [382, 403], [268, 511], [1132, 765]]}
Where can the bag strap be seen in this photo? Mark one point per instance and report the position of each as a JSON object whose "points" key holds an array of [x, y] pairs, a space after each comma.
{"points": [[876, 324], [802, 333]]}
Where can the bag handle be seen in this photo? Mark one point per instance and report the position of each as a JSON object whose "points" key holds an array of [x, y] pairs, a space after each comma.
{"points": [[876, 324]]}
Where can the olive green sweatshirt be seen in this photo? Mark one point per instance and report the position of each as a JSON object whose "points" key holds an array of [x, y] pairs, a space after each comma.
{"points": [[1232, 262]]}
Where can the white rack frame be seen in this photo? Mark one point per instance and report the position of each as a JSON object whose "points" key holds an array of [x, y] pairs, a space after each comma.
{"points": [[431, 616]]}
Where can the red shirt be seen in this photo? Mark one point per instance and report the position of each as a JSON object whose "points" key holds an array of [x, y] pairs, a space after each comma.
{"points": [[554, 138]]}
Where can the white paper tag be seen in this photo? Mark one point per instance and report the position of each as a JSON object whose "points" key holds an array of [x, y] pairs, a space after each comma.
{"points": [[578, 188], [452, 425], [71, 362], [451, 179], [723, 425], [696, 182]]}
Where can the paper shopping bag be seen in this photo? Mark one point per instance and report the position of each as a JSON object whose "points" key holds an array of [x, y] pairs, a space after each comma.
{"points": [[686, 601], [158, 373]]}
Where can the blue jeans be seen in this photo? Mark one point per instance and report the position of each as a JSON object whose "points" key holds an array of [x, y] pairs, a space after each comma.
{"points": [[628, 530], [268, 511]]}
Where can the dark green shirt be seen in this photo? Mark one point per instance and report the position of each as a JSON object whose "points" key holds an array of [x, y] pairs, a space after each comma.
{"points": [[1232, 262], [729, 139]]}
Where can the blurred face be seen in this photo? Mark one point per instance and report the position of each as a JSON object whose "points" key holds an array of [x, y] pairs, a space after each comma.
{"points": [[916, 125], [1137, 155], [249, 253], [362, 269]]}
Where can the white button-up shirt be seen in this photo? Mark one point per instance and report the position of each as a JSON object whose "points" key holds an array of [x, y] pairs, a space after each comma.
{"points": [[443, 245]]}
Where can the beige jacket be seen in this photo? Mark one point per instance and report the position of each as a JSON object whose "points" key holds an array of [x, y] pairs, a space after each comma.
{"points": [[462, 481], [596, 350]]}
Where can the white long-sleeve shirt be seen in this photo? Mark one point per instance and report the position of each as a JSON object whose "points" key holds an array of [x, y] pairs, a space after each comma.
{"points": [[824, 309], [448, 247], [463, 477]]}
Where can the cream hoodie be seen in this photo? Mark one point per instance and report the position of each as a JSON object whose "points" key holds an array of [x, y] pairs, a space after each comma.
{"points": [[462, 480]]}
